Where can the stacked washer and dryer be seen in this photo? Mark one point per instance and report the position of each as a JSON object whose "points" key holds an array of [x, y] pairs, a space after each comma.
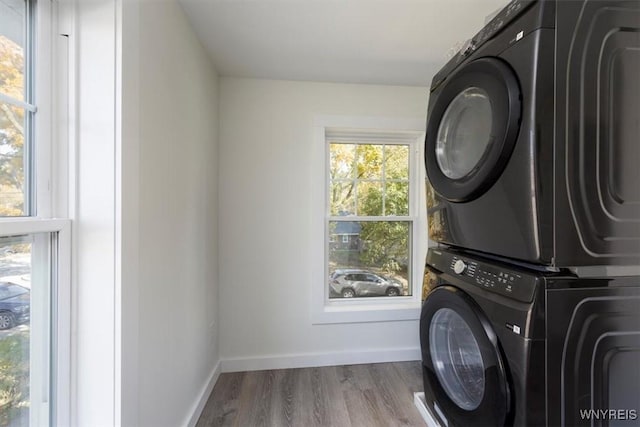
{"points": [[532, 151]]}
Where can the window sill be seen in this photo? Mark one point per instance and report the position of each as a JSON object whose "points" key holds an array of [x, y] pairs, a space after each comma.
{"points": [[361, 311]]}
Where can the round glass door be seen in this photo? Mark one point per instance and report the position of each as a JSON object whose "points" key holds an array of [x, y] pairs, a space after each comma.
{"points": [[464, 133], [472, 128], [463, 371], [457, 359]]}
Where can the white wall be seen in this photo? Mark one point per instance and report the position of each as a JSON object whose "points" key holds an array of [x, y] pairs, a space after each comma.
{"points": [[265, 201], [144, 205], [177, 347]]}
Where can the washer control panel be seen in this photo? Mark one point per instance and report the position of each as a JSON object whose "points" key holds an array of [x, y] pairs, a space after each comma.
{"points": [[489, 275], [459, 266]]}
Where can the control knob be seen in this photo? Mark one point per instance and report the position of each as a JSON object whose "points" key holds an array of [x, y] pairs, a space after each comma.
{"points": [[459, 267]]}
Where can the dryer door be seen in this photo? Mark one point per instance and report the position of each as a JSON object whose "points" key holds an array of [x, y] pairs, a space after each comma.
{"points": [[464, 373], [472, 128]]}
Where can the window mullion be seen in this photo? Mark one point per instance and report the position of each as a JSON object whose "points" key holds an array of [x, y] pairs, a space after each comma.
{"points": [[29, 225], [353, 218], [17, 103]]}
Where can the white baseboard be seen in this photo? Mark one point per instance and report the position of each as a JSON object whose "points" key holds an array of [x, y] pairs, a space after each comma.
{"points": [[196, 409], [287, 361]]}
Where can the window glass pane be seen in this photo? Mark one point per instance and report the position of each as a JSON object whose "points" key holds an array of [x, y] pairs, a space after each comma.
{"points": [[12, 160], [397, 198], [12, 51], [342, 197], [357, 179], [375, 249], [342, 161], [396, 161], [370, 198], [369, 161], [24, 329]]}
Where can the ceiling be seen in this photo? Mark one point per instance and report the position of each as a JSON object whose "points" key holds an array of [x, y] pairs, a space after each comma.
{"points": [[389, 42]]}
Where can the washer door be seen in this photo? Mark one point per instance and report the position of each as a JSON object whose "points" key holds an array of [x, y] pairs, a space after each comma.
{"points": [[472, 128], [464, 373]]}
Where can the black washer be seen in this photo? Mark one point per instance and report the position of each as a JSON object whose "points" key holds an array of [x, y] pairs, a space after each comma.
{"points": [[466, 375]]}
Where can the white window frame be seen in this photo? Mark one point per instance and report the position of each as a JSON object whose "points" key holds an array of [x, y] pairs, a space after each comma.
{"points": [[49, 194], [378, 130]]}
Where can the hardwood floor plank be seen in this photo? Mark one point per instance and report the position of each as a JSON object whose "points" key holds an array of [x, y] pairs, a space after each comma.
{"points": [[389, 402], [338, 413], [261, 400], [411, 373], [222, 406], [282, 399], [362, 408], [398, 395], [356, 377], [247, 399], [302, 395], [335, 396], [320, 398]]}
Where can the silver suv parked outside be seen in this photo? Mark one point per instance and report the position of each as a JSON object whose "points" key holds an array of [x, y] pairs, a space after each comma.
{"points": [[349, 283]]}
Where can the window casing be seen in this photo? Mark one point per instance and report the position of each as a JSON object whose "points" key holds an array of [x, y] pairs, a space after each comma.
{"points": [[377, 207], [34, 244]]}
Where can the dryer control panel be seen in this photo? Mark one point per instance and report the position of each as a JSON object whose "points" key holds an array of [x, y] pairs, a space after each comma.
{"points": [[489, 275]]}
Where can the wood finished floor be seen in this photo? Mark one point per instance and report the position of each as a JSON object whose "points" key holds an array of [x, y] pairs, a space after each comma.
{"points": [[355, 395]]}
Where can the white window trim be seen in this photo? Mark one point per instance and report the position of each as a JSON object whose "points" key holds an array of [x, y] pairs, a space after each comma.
{"points": [[50, 198], [60, 308], [359, 310]]}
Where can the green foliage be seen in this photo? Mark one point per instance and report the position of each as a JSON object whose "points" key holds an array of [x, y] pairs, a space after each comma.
{"points": [[14, 378], [386, 244]]}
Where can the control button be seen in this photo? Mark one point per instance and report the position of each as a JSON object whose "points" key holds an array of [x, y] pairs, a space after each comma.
{"points": [[459, 267]]}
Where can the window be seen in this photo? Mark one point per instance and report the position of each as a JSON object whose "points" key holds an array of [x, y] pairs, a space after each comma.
{"points": [[370, 203], [34, 248]]}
